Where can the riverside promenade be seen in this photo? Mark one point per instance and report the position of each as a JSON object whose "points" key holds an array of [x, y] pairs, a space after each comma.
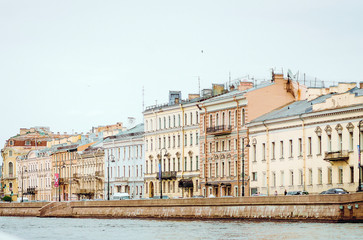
{"points": [[325, 208]]}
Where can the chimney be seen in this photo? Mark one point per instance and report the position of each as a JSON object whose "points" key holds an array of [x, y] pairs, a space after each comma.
{"points": [[245, 85]]}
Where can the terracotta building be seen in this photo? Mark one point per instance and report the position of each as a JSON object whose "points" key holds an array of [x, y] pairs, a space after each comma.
{"points": [[224, 160]]}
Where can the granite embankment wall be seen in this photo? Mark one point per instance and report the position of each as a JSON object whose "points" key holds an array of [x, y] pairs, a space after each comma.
{"points": [[335, 208]]}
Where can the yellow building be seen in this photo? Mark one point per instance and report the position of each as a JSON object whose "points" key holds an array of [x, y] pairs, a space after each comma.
{"points": [[19, 145], [172, 141]]}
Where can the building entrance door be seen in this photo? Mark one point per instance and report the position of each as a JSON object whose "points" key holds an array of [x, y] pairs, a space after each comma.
{"points": [[151, 190]]}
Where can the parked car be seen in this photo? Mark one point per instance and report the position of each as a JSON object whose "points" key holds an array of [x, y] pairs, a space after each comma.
{"points": [[297, 193], [259, 195], [158, 197], [211, 196], [120, 196], [336, 191], [198, 196]]}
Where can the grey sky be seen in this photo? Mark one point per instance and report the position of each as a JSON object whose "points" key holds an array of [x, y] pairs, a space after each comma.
{"points": [[77, 64]]}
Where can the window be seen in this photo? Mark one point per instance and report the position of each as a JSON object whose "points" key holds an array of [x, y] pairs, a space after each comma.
{"points": [[281, 149], [11, 169], [340, 171], [217, 146], [254, 152], [174, 122], [191, 163], [254, 176], [210, 147], [185, 140], [217, 119], [191, 139], [179, 120], [235, 118], [196, 163], [210, 170], [191, 119], [178, 140], [164, 122], [185, 163], [330, 175], [185, 119], [196, 117], [210, 120], [243, 117], [222, 170], [300, 147], [264, 179], [179, 164], [329, 143], [301, 177], [291, 149], [159, 123], [229, 118], [310, 150], [168, 142], [319, 145], [282, 178], [351, 141], [263, 151], [216, 173], [169, 122], [320, 176], [273, 150], [310, 176], [351, 174], [223, 146], [197, 138], [27, 143], [291, 178], [10, 153], [173, 141], [273, 179], [340, 142]]}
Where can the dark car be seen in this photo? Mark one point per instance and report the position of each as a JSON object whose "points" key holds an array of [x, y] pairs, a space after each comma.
{"points": [[297, 193], [336, 191], [158, 197]]}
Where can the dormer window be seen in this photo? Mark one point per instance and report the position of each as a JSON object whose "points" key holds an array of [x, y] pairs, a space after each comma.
{"points": [[27, 143], [11, 143]]}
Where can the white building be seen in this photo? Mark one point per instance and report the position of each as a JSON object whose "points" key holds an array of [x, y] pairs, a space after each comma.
{"points": [[124, 160], [308, 145]]}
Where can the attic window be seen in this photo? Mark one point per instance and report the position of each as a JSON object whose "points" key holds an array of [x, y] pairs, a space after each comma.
{"points": [[11, 143]]}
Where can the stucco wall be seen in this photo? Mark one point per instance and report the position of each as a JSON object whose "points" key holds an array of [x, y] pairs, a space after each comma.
{"points": [[311, 207]]}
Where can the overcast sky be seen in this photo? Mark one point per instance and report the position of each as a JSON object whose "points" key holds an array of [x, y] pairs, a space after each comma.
{"points": [[74, 64]]}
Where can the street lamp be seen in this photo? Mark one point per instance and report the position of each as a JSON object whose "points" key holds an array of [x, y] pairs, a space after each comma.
{"points": [[108, 174], [243, 167], [160, 159], [22, 183], [360, 129], [59, 186]]}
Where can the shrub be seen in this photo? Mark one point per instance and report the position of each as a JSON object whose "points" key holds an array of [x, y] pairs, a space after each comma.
{"points": [[7, 199]]}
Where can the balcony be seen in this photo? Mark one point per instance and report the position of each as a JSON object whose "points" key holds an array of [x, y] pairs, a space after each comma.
{"points": [[336, 156], [219, 130], [167, 175]]}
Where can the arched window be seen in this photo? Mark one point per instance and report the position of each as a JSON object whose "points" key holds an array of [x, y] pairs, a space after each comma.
{"points": [[11, 169]]}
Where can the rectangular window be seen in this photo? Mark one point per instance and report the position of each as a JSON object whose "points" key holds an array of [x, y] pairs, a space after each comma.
{"points": [[264, 178], [222, 146], [282, 178], [229, 145], [351, 174], [263, 151], [310, 176], [351, 144], [300, 147], [217, 146], [191, 163], [340, 175], [291, 178], [185, 140], [217, 174], [281, 149], [330, 175], [273, 150], [191, 139], [301, 177], [291, 150], [178, 140], [273, 179], [210, 147], [197, 162], [197, 138], [310, 146], [340, 141], [185, 163], [319, 145], [329, 143], [178, 164], [320, 176], [254, 152], [254, 176]]}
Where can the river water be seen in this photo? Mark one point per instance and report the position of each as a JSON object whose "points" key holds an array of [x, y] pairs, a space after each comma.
{"points": [[82, 229]]}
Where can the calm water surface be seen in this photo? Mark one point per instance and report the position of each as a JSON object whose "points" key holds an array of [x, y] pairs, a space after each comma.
{"points": [[69, 229]]}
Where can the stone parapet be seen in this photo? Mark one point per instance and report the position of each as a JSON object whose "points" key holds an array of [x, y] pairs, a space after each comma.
{"points": [[329, 208]]}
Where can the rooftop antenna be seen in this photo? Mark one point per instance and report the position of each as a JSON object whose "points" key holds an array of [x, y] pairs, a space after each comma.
{"points": [[143, 98]]}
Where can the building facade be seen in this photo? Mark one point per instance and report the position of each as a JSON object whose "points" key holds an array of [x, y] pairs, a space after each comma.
{"points": [[310, 145], [35, 175], [172, 147], [224, 135], [124, 163]]}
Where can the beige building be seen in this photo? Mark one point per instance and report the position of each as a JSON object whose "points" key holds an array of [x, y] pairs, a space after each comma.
{"points": [[35, 175], [224, 137], [172, 140], [28, 139], [309, 145]]}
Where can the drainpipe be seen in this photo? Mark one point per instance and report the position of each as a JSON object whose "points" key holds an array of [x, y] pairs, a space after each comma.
{"points": [[183, 143], [267, 158], [304, 152], [238, 153], [205, 150]]}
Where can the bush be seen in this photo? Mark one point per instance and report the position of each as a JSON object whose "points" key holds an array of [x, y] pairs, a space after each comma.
{"points": [[7, 199]]}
